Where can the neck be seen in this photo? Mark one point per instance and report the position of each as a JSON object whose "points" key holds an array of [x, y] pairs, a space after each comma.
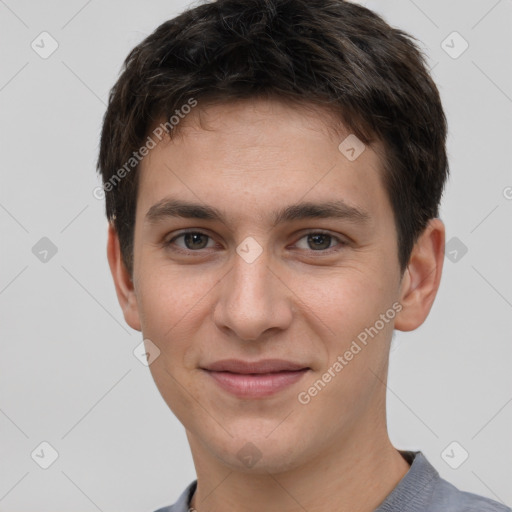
{"points": [[354, 474]]}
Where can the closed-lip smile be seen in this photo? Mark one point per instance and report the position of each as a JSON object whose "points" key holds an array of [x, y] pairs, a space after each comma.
{"points": [[255, 379]]}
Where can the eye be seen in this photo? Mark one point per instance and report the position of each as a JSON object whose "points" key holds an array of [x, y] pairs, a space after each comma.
{"points": [[320, 241], [193, 241]]}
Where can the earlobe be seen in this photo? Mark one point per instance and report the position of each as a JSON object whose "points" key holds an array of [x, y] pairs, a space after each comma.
{"points": [[422, 277], [122, 280]]}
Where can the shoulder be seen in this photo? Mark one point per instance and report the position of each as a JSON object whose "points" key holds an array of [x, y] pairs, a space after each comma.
{"points": [[447, 497], [182, 505], [423, 490]]}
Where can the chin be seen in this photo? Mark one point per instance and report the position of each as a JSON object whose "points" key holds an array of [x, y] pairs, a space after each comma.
{"points": [[258, 452]]}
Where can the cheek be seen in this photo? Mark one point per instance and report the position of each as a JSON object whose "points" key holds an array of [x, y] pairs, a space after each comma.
{"points": [[344, 300], [174, 389], [168, 299], [174, 308], [344, 312]]}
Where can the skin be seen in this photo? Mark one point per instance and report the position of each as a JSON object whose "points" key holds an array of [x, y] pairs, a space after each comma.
{"points": [[294, 302]]}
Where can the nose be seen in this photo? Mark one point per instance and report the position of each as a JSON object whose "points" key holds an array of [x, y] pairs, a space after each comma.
{"points": [[253, 300]]}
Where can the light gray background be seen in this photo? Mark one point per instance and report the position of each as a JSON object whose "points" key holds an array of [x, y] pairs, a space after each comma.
{"points": [[67, 372]]}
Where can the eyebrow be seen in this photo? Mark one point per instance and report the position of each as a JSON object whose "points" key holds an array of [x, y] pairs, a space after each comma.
{"points": [[170, 208]]}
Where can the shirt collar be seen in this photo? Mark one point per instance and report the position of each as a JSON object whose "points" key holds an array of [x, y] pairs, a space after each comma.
{"points": [[412, 493]]}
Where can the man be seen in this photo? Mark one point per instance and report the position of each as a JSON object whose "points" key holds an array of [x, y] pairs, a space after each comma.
{"points": [[273, 171]]}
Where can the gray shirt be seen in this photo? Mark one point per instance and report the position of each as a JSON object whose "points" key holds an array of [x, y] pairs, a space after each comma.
{"points": [[420, 490]]}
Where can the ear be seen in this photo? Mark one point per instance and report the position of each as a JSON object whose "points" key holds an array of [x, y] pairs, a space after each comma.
{"points": [[421, 279], [122, 280]]}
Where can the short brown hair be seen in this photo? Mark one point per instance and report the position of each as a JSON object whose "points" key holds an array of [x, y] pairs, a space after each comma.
{"points": [[329, 52]]}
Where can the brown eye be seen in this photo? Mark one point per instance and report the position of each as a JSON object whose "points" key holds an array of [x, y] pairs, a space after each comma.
{"points": [[192, 240], [195, 240], [320, 242]]}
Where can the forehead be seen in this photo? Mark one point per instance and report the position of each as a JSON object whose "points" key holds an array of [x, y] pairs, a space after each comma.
{"points": [[249, 155]]}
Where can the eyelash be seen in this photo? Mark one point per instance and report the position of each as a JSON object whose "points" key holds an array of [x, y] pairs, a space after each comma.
{"points": [[341, 243]]}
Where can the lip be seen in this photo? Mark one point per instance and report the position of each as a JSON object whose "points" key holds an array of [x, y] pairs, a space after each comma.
{"points": [[258, 379], [262, 366]]}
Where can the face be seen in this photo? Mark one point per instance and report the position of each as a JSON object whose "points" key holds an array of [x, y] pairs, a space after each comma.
{"points": [[257, 239]]}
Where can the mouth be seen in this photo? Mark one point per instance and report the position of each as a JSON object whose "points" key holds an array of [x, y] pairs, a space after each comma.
{"points": [[257, 379]]}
